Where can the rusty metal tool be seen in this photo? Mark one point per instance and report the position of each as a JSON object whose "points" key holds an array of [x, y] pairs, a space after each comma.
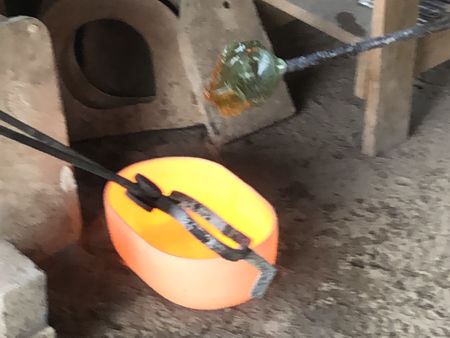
{"points": [[247, 73]]}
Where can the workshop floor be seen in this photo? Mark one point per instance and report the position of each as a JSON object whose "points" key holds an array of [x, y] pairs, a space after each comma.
{"points": [[364, 242]]}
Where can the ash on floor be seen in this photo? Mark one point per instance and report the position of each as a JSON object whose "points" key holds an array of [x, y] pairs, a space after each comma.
{"points": [[364, 243]]}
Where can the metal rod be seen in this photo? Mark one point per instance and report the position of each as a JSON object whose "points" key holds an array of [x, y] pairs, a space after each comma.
{"points": [[317, 58]]}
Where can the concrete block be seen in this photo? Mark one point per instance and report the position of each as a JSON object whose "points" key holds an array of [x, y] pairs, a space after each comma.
{"points": [[206, 28], [23, 295], [91, 110], [39, 206]]}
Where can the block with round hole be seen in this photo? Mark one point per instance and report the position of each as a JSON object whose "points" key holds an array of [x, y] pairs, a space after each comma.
{"points": [[120, 67]]}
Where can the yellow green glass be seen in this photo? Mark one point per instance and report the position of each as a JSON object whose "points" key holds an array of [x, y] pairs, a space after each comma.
{"points": [[246, 75]]}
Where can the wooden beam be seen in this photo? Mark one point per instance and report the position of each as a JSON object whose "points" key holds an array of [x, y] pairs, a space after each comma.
{"points": [[361, 79], [324, 15], [272, 17], [390, 74], [432, 51]]}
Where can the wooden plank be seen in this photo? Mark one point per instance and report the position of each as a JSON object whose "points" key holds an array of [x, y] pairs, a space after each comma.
{"points": [[390, 75], [344, 20], [272, 17], [361, 80], [432, 51]]}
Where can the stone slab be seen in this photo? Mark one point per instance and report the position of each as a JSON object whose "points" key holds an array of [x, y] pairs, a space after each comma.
{"points": [[174, 105], [23, 295], [205, 31], [39, 206]]}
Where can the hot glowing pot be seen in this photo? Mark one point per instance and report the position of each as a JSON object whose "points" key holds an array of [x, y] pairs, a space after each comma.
{"points": [[167, 257]]}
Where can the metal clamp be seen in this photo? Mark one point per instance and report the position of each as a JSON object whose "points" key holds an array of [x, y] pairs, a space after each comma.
{"points": [[148, 196], [267, 270]]}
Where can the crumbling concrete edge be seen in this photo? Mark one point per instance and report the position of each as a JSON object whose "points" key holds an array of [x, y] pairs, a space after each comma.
{"points": [[23, 296]]}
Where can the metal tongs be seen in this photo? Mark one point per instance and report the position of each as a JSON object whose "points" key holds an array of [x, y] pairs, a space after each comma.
{"points": [[148, 196]]}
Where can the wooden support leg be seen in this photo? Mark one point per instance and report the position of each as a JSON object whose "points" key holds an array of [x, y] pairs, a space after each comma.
{"points": [[432, 50], [390, 73], [361, 81]]}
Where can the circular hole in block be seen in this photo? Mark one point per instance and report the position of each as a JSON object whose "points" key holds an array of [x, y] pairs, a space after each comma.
{"points": [[116, 60]]}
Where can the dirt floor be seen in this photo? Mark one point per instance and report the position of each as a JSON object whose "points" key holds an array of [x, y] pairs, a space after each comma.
{"points": [[364, 242]]}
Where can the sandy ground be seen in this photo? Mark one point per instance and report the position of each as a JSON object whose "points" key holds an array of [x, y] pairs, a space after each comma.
{"points": [[364, 242]]}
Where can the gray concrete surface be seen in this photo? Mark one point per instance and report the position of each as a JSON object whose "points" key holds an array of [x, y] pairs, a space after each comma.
{"points": [[23, 296], [39, 206], [364, 242]]}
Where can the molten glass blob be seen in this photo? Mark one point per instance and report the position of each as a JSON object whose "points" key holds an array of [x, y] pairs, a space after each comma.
{"points": [[246, 75]]}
